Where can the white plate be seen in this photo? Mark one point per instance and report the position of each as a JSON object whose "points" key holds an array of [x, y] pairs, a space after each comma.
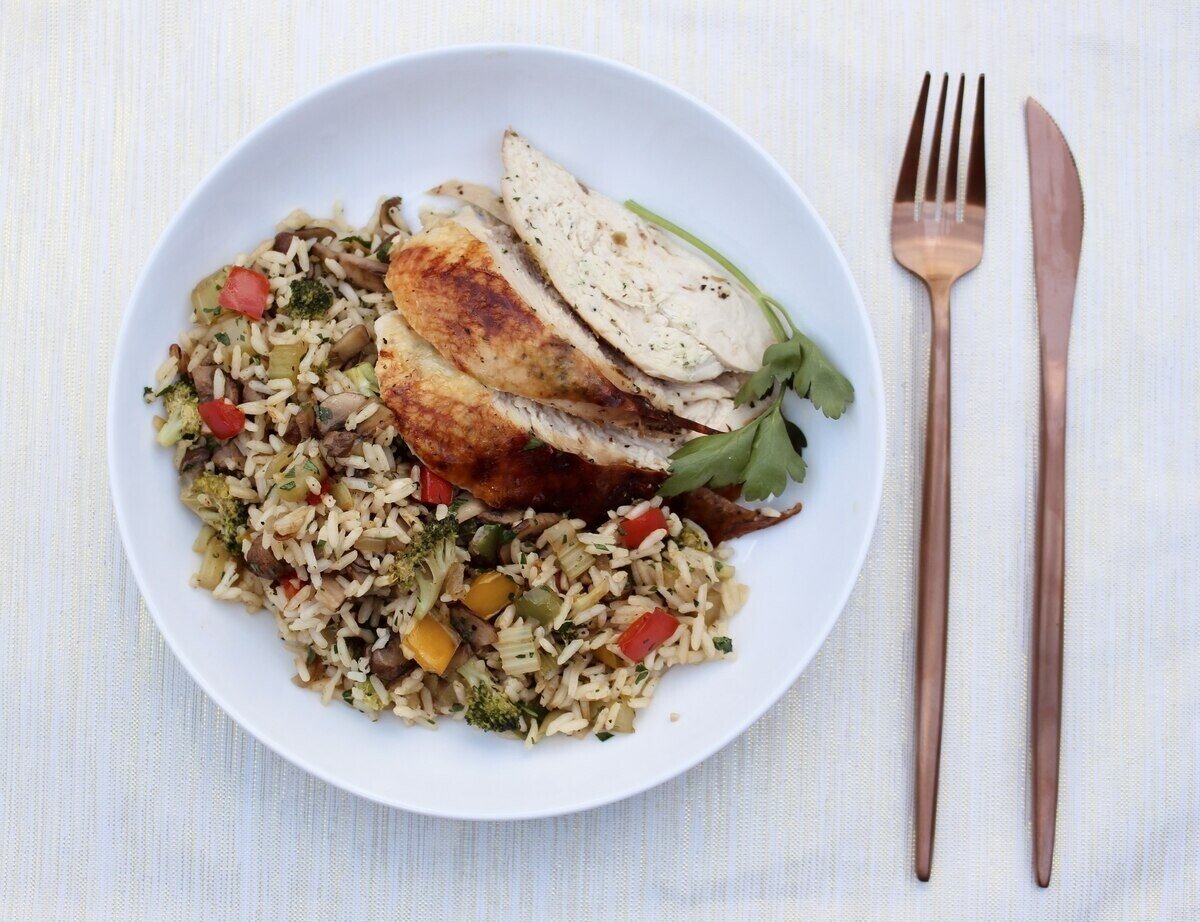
{"points": [[399, 128]]}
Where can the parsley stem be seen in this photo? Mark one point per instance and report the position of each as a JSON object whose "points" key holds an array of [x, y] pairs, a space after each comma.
{"points": [[767, 304]]}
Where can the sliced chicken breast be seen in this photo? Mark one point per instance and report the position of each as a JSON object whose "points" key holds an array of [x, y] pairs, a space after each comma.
{"points": [[508, 451], [664, 307], [468, 287]]}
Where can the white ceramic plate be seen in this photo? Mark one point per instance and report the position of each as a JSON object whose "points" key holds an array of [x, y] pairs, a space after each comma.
{"points": [[399, 128]]}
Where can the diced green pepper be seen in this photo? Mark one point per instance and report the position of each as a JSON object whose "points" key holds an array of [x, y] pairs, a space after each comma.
{"points": [[485, 543], [540, 604]]}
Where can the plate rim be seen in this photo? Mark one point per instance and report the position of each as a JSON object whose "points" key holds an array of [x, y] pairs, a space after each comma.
{"points": [[672, 769]]}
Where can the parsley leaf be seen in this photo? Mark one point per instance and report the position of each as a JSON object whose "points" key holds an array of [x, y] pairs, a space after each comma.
{"points": [[604, 736], [384, 251], [724, 644], [533, 444], [762, 455], [766, 452], [222, 338]]}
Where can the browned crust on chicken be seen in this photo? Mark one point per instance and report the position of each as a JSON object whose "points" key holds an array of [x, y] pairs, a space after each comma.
{"points": [[452, 425], [449, 288]]}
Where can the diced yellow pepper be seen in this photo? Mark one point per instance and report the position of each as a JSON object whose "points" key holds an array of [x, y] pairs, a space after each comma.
{"points": [[489, 593], [432, 645], [608, 658]]}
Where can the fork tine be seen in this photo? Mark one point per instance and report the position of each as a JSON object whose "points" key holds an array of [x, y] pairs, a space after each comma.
{"points": [[955, 132], [976, 180], [935, 151], [906, 186]]}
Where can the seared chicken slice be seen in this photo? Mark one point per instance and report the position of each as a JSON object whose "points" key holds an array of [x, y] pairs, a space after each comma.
{"points": [[667, 309], [469, 288], [508, 451]]}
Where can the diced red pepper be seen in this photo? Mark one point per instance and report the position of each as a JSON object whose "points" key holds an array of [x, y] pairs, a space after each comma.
{"points": [[222, 417], [647, 633], [314, 498], [632, 532], [245, 291], [291, 584], [435, 489]]}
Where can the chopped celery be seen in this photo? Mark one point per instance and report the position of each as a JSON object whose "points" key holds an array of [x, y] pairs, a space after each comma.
{"points": [[293, 481], [206, 307], [518, 653], [212, 564], [364, 379], [284, 360]]}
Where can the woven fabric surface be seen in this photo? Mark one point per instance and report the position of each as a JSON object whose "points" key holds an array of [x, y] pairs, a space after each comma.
{"points": [[125, 793]]}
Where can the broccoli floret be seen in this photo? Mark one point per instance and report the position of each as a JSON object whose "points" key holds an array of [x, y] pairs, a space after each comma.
{"points": [[208, 496], [183, 413], [425, 562], [310, 300], [488, 708]]}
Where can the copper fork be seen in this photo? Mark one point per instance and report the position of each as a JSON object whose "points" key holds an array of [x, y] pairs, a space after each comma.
{"points": [[938, 245]]}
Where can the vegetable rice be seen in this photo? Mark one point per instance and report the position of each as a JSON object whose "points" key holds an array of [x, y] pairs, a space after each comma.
{"points": [[391, 590]]}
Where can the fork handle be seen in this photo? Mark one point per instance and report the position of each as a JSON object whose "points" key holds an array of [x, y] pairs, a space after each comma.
{"points": [[933, 578]]}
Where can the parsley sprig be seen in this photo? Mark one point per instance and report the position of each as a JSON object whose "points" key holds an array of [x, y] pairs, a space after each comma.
{"points": [[767, 451]]}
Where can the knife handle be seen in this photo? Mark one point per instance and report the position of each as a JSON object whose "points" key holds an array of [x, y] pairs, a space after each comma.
{"points": [[933, 578], [1047, 666]]}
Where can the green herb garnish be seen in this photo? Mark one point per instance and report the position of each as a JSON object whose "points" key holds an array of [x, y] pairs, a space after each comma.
{"points": [[764, 453], [604, 736], [533, 444], [382, 254], [724, 644], [222, 338]]}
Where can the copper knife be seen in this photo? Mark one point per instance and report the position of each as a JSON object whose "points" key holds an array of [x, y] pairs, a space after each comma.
{"points": [[1056, 198]]}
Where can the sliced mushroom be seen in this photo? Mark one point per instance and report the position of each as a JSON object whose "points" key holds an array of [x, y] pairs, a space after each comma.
{"points": [[301, 426], [314, 233], [377, 421], [473, 629], [181, 357], [389, 213], [351, 343], [334, 411], [228, 457], [195, 458], [360, 271], [338, 443], [389, 661], [202, 377], [538, 524], [283, 242], [458, 660], [262, 562]]}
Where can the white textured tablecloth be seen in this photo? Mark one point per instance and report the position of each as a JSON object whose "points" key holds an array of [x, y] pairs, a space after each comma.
{"points": [[124, 793]]}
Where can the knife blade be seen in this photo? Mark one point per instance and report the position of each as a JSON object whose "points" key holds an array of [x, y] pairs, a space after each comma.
{"points": [[1056, 198]]}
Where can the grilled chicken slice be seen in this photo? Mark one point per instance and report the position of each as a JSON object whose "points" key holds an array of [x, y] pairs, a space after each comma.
{"points": [[664, 307], [469, 288], [508, 451]]}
